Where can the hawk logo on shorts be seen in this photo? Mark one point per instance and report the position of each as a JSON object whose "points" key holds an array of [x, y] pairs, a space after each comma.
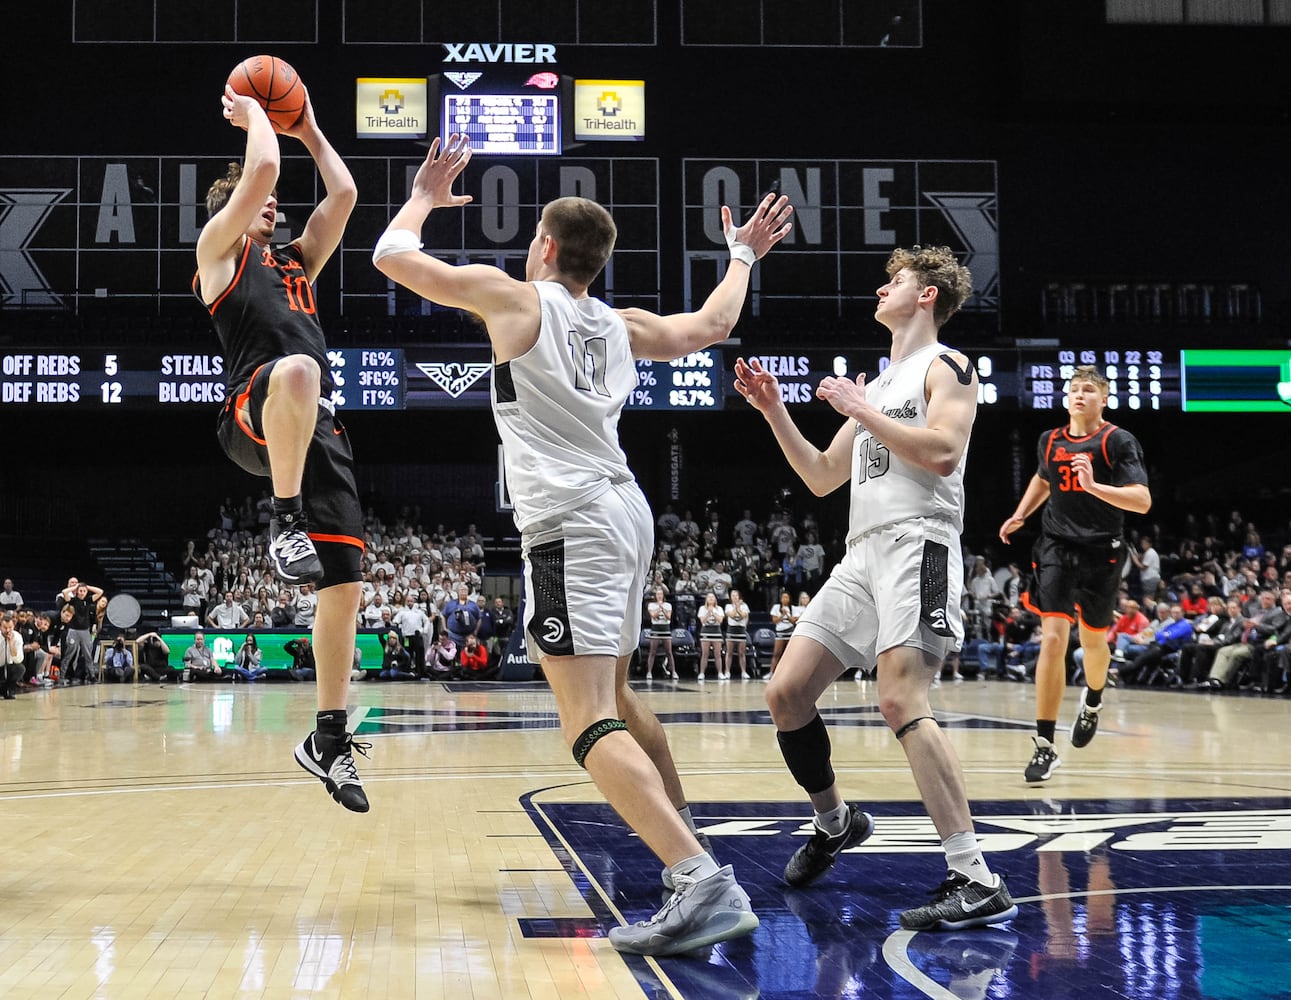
{"points": [[452, 376], [936, 618], [554, 630]]}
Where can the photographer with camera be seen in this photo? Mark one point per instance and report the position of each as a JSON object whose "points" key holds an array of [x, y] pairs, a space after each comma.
{"points": [[154, 658]]}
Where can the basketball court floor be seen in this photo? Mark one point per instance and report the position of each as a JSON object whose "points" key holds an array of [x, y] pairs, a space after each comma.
{"points": [[162, 842]]}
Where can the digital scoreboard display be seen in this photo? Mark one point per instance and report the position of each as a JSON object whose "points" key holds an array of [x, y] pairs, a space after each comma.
{"points": [[690, 383], [504, 113], [138, 378], [1138, 378]]}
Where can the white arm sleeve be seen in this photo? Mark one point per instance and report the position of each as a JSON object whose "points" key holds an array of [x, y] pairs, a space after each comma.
{"points": [[395, 241]]}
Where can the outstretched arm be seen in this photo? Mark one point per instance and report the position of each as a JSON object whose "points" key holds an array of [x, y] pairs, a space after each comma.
{"points": [[663, 338], [326, 223], [487, 291], [222, 234], [822, 471], [1036, 493]]}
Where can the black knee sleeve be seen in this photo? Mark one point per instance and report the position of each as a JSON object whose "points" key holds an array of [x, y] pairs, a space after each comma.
{"points": [[807, 751], [583, 745]]}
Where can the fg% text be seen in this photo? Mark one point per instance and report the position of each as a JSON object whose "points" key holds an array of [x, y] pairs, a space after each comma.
{"points": [[684, 386]]}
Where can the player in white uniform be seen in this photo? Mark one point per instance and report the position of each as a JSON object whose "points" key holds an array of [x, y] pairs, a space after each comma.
{"points": [[564, 364], [893, 601]]}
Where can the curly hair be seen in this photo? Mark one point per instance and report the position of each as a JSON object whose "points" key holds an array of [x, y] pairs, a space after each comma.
{"points": [[938, 267], [218, 194]]}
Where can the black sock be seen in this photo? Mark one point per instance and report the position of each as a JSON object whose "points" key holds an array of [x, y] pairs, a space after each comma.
{"points": [[1093, 698], [1046, 728], [331, 725], [287, 509]]}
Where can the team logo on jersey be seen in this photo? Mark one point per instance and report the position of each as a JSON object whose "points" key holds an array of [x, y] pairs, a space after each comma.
{"points": [[453, 376], [554, 630]]}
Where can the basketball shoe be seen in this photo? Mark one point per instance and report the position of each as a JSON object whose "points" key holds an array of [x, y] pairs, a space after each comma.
{"points": [[818, 855], [294, 557], [959, 902], [699, 913], [1044, 761], [1086, 724], [335, 768]]}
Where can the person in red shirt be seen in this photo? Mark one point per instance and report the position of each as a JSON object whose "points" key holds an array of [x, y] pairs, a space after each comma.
{"points": [[474, 661], [1129, 623]]}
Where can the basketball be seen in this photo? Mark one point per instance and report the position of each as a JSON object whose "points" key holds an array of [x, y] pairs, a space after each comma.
{"points": [[273, 83]]}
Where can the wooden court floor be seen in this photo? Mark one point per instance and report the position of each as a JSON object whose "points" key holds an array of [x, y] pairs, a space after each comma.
{"points": [[161, 842]]}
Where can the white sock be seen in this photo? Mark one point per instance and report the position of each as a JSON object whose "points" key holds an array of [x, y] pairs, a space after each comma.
{"points": [[964, 855], [687, 818], [835, 821], [700, 866]]}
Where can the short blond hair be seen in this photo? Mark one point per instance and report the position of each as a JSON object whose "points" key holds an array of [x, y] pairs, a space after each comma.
{"points": [[938, 267]]}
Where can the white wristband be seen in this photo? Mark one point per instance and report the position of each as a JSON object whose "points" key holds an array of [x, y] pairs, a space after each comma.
{"points": [[395, 241], [740, 251]]}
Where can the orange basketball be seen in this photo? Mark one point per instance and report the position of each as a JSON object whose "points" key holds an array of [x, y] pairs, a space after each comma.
{"points": [[273, 83]]}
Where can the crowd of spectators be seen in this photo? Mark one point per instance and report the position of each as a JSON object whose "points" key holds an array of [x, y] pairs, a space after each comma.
{"points": [[1208, 610], [417, 586]]}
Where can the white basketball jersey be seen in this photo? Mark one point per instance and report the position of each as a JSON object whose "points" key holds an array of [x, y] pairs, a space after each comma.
{"points": [[886, 488], [557, 406]]}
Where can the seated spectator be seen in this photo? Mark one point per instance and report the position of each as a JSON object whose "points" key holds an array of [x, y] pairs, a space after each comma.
{"points": [[396, 662], [228, 615], [154, 657], [1128, 623], [473, 661], [284, 612], [1146, 667], [1129, 646], [442, 660], [1194, 602], [12, 663], [1261, 624], [199, 664], [302, 659], [247, 663], [118, 662]]}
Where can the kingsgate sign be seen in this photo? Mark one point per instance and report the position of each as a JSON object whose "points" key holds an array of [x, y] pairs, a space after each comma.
{"points": [[503, 52]]}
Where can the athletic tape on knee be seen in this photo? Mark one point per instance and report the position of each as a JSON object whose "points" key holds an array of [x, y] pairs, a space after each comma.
{"points": [[583, 745], [807, 751], [912, 724]]}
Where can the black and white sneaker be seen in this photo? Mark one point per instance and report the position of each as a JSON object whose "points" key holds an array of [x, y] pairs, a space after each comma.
{"points": [[666, 875], [959, 902], [1086, 724], [294, 557], [1044, 761], [336, 770], [818, 855]]}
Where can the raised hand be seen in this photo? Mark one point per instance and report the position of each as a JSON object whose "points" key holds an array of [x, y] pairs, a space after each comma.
{"points": [[768, 225], [434, 180], [757, 385]]}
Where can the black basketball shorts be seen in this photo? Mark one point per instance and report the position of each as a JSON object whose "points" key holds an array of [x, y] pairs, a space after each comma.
{"points": [[1076, 581]]}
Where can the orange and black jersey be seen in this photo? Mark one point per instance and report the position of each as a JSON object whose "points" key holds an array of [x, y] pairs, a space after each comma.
{"points": [[1072, 514], [267, 312]]}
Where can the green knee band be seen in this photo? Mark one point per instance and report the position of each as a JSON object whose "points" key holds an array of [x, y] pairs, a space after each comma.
{"points": [[583, 745]]}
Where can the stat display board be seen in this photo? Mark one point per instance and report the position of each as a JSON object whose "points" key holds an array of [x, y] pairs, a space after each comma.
{"points": [[511, 111], [150, 378], [225, 644], [447, 376]]}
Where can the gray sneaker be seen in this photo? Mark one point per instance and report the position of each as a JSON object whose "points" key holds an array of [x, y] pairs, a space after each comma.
{"points": [[666, 875], [698, 914], [959, 902]]}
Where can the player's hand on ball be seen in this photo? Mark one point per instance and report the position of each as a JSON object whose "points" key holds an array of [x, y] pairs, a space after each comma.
{"points": [[238, 109], [306, 122], [444, 162]]}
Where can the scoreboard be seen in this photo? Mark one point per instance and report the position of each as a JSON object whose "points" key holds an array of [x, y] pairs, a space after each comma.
{"points": [[441, 376], [150, 378]]}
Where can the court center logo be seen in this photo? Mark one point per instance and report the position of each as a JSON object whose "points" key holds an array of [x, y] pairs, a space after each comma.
{"points": [[453, 376]]}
